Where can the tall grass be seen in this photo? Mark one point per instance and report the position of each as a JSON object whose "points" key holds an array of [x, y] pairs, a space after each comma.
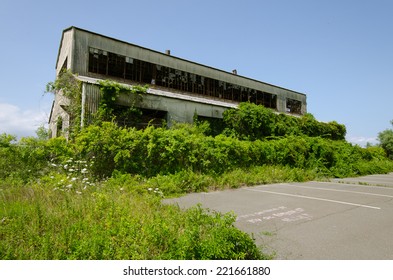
{"points": [[112, 222]]}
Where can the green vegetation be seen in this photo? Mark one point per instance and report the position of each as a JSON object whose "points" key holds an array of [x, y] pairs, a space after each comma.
{"points": [[40, 221], [160, 151], [109, 109], [71, 88], [98, 195], [53, 207], [252, 122], [386, 139]]}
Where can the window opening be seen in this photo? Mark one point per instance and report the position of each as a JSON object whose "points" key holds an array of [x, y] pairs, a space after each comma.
{"points": [[294, 106], [111, 64]]}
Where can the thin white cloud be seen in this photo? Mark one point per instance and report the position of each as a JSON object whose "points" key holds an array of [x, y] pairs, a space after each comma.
{"points": [[18, 122], [362, 141]]}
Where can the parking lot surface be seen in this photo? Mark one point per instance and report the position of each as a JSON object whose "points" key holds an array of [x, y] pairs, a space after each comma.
{"points": [[341, 219]]}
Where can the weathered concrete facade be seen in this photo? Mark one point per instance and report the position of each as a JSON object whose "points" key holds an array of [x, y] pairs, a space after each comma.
{"points": [[178, 87]]}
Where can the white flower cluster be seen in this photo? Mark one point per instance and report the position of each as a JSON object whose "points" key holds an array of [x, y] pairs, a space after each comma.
{"points": [[156, 191], [77, 176]]}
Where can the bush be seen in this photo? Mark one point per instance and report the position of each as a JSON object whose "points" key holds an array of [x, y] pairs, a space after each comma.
{"points": [[159, 151], [386, 141], [252, 122]]}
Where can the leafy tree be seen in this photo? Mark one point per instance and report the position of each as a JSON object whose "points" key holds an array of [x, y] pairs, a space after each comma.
{"points": [[42, 133], [386, 139]]}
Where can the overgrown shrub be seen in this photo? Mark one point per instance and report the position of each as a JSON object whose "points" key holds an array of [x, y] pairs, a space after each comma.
{"points": [[162, 151], [386, 141], [30, 157], [251, 122]]}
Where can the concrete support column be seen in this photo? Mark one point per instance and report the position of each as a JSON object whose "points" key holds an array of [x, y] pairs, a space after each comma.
{"points": [[281, 103]]}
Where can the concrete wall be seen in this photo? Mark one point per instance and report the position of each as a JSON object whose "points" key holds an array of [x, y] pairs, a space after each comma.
{"points": [[58, 112]]}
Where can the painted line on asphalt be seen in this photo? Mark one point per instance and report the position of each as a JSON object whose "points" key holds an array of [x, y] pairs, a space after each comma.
{"points": [[334, 190], [356, 184], [316, 198]]}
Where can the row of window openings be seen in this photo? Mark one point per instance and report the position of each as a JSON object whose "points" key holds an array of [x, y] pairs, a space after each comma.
{"points": [[107, 63]]}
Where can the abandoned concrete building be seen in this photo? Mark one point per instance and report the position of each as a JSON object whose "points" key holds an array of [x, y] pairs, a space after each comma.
{"points": [[178, 89]]}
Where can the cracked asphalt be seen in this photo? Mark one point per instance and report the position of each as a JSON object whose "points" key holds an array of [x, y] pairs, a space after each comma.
{"points": [[342, 219]]}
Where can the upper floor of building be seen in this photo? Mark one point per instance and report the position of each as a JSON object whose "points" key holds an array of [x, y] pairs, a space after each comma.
{"points": [[93, 55]]}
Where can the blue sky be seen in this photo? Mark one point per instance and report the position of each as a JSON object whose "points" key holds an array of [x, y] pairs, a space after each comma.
{"points": [[340, 53]]}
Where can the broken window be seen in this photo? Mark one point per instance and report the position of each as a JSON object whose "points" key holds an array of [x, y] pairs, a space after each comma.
{"points": [[98, 61], [107, 63], [139, 118], [294, 106], [116, 65]]}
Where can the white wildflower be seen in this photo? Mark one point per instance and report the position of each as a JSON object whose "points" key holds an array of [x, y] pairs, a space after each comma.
{"points": [[69, 186], [73, 179], [149, 189], [78, 192]]}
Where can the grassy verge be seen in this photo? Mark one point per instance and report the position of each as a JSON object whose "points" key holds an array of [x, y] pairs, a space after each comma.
{"points": [[110, 221]]}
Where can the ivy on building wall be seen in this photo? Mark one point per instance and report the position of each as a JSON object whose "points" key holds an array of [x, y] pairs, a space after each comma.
{"points": [[70, 87], [109, 107]]}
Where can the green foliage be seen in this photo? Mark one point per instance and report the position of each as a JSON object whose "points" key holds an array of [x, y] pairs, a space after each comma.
{"points": [[162, 151], [110, 93], [42, 133], [108, 221], [70, 87], [30, 157], [98, 196], [252, 122], [386, 141]]}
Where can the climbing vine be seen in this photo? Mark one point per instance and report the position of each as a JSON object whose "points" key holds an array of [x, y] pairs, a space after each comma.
{"points": [[109, 108], [71, 88]]}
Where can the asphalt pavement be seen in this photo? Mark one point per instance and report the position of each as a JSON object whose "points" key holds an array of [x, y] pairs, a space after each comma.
{"points": [[342, 219]]}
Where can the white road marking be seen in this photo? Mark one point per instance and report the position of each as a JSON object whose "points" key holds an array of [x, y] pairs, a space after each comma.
{"points": [[356, 184], [316, 198], [334, 190]]}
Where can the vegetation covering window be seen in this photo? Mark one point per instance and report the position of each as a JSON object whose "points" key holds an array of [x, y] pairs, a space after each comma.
{"points": [[107, 63], [59, 127]]}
